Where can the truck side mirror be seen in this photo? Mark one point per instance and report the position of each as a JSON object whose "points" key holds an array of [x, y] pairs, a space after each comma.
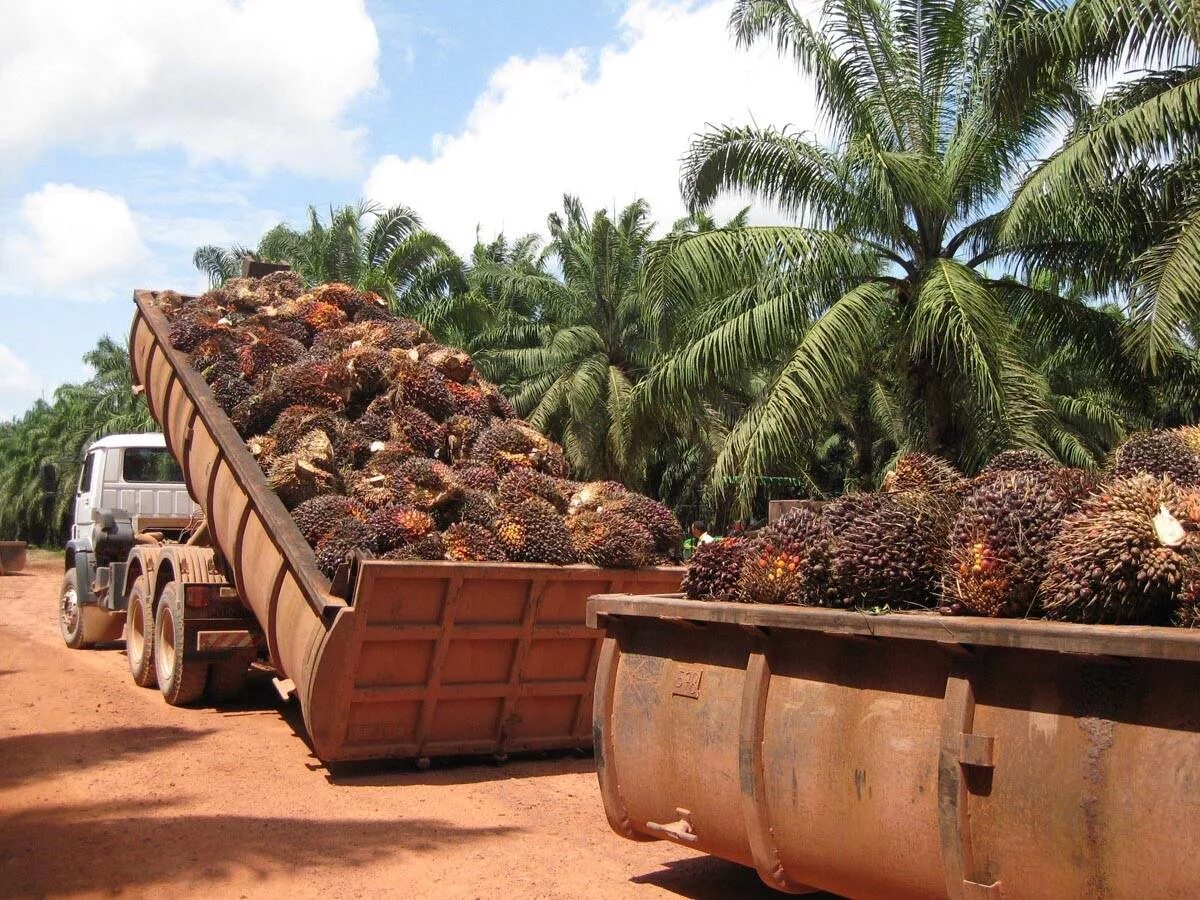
{"points": [[48, 475]]}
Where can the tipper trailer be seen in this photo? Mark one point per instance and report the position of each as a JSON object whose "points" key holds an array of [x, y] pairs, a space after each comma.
{"points": [[394, 659], [904, 755]]}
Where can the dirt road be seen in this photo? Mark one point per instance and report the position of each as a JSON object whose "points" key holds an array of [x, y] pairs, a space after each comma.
{"points": [[104, 789]]}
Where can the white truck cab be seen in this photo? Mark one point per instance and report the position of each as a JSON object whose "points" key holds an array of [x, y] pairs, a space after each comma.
{"points": [[130, 488], [135, 473]]}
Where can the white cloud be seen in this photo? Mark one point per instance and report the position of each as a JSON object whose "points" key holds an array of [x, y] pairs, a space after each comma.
{"points": [[72, 242], [260, 83], [609, 127], [18, 385]]}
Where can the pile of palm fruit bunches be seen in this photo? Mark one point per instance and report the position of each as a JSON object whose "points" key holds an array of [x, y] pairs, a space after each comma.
{"points": [[378, 439], [1025, 538]]}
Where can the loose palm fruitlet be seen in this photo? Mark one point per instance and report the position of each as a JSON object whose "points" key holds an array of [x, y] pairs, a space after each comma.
{"points": [[715, 570], [1126, 556], [380, 440], [1000, 541]]}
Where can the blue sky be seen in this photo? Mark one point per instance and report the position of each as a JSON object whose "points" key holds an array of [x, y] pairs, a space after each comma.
{"points": [[133, 131]]}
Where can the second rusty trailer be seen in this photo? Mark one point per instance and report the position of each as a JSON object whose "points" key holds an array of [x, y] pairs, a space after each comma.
{"points": [[904, 756]]}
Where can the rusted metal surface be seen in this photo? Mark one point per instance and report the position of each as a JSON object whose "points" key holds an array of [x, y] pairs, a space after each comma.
{"points": [[13, 557], [904, 756], [426, 659]]}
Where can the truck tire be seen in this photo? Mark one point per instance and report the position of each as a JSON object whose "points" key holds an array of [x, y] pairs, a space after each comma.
{"points": [[180, 678], [227, 679], [139, 633], [70, 614]]}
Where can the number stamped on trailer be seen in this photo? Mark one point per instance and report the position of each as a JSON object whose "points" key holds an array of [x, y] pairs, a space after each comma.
{"points": [[687, 682]]}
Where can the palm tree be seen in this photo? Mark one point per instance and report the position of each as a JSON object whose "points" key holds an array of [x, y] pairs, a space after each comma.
{"points": [[586, 339], [1122, 194], [383, 250], [57, 434], [884, 312]]}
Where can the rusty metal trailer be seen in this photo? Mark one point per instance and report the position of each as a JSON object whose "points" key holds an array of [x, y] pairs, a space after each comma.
{"points": [[904, 756], [410, 660]]}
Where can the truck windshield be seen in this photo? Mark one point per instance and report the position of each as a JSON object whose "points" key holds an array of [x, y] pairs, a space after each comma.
{"points": [[150, 464]]}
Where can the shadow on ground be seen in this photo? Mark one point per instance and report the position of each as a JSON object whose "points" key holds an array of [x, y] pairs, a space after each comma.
{"points": [[100, 848], [710, 878], [27, 757], [459, 770]]}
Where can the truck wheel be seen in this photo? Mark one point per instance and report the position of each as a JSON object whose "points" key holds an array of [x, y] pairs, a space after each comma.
{"points": [[70, 614], [139, 633], [180, 678], [227, 679]]}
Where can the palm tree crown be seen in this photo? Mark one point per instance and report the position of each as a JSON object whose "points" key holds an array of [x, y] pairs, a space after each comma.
{"points": [[884, 307]]}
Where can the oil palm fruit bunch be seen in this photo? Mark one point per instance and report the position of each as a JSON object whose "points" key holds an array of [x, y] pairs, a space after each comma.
{"points": [[773, 571], [805, 527], [664, 528], [715, 570], [470, 401], [887, 549], [346, 536], [533, 531], [427, 484], [230, 390], [1001, 539], [265, 350], [423, 386], [1123, 557], [610, 540], [396, 525], [304, 472], [1019, 461], [317, 517], [297, 421], [515, 444], [475, 477], [789, 562], [418, 428], [455, 366], [429, 548], [521, 484], [1158, 453], [304, 383], [469, 542], [461, 434], [1190, 435], [594, 494], [478, 508], [923, 472]]}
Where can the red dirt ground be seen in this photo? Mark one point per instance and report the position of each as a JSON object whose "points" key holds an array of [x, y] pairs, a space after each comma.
{"points": [[104, 789]]}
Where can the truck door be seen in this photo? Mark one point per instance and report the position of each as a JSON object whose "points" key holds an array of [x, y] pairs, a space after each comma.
{"points": [[85, 495]]}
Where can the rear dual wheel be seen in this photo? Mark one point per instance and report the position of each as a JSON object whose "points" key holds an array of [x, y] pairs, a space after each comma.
{"points": [[180, 678], [139, 633]]}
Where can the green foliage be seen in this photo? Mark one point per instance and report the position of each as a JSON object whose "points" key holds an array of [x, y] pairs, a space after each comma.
{"points": [[57, 434], [901, 312]]}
